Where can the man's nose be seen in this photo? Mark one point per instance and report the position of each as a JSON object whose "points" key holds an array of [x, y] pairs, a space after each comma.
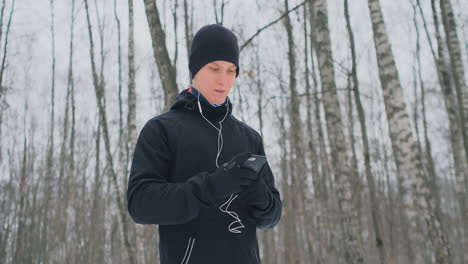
{"points": [[223, 77]]}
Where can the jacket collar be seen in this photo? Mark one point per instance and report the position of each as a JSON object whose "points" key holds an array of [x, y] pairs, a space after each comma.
{"points": [[188, 101]]}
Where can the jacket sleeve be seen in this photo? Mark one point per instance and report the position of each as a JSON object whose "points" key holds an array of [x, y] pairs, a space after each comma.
{"points": [[269, 215], [151, 199]]}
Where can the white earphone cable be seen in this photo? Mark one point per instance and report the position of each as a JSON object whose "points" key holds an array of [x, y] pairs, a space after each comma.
{"points": [[220, 147]]}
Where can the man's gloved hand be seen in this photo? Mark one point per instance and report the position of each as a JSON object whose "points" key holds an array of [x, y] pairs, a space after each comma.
{"points": [[258, 194], [231, 177]]}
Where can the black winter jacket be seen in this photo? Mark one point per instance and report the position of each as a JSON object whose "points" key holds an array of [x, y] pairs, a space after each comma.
{"points": [[173, 152]]}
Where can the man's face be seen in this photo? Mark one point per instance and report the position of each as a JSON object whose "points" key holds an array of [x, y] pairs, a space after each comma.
{"points": [[215, 80]]}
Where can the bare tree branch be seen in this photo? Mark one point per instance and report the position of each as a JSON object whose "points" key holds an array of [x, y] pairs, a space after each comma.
{"points": [[268, 25]]}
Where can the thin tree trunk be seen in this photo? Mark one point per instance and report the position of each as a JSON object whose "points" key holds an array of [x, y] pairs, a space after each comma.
{"points": [[81, 218], [99, 90], [219, 19], [298, 179], [266, 236], [309, 215], [71, 165], [96, 234], [428, 150], [4, 226], [96, 237], [130, 140], [344, 181], [176, 45], [31, 248], [5, 45], [1, 18], [418, 198], [123, 158], [50, 152], [377, 222], [63, 195], [131, 118], [288, 215], [188, 29], [2, 112], [9, 221], [166, 69], [32, 190], [20, 234], [287, 224], [358, 186], [392, 206]]}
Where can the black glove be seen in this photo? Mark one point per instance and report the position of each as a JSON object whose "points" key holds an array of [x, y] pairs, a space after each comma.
{"points": [[257, 195], [231, 177]]}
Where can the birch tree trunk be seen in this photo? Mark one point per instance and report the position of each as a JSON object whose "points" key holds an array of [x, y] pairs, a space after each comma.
{"points": [[427, 153], [456, 66], [449, 99], [418, 198], [166, 69], [322, 214], [344, 182], [455, 126], [377, 222]]}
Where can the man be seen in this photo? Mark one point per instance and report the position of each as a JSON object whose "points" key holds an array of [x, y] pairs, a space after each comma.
{"points": [[197, 170]]}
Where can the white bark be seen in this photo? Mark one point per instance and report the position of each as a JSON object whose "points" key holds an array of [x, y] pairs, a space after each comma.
{"points": [[344, 181], [456, 63], [418, 198]]}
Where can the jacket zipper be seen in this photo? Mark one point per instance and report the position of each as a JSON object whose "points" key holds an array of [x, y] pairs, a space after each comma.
{"points": [[188, 250]]}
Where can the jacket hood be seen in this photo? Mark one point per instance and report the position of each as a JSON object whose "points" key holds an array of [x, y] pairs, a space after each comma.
{"points": [[187, 101]]}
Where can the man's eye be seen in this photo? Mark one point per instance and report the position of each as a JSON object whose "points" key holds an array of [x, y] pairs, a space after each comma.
{"points": [[214, 69]]}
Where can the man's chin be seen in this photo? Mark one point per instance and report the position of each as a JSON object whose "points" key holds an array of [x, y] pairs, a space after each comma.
{"points": [[219, 100]]}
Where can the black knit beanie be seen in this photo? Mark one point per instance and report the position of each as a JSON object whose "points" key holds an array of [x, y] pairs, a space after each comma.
{"points": [[211, 43]]}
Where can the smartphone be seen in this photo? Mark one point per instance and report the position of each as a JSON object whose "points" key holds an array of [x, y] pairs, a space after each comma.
{"points": [[255, 163]]}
